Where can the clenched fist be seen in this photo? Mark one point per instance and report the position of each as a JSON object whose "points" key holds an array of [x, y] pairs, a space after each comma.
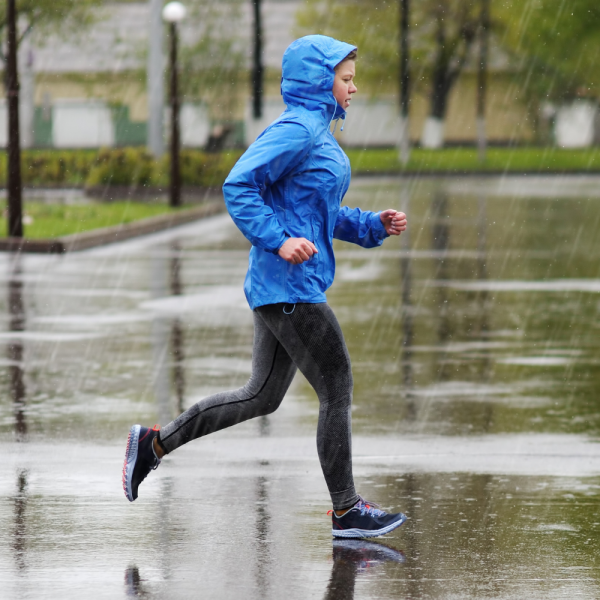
{"points": [[393, 221], [297, 250]]}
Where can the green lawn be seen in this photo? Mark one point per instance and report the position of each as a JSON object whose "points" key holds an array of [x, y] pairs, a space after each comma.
{"points": [[56, 220], [465, 160]]}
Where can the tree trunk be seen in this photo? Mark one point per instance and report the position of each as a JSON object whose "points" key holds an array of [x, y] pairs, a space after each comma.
{"points": [[404, 82], [482, 79], [15, 216], [450, 58], [433, 133]]}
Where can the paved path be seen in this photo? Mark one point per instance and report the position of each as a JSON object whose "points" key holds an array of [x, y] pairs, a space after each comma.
{"points": [[495, 463]]}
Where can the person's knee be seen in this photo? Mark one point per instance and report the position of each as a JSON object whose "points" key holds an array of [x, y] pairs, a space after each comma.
{"points": [[268, 409], [263, 402]]}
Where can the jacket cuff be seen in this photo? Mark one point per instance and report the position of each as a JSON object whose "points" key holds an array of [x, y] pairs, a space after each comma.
{"points": [[282, 240], [378, 227]]}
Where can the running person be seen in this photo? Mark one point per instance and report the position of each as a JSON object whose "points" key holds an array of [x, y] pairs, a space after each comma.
{"points": [[284, 194]]}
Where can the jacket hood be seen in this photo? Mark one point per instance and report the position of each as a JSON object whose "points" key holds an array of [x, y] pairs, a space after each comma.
{"points": [[308, 73]]}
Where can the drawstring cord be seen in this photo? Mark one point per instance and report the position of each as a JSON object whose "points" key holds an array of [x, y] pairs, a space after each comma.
{"points": [[329, 127], [289, 313], [335, 126], [333, 114]]}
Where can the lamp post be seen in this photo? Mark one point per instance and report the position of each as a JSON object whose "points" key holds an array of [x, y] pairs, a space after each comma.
{"points": [[257, 65], [173, 13], [15, 205]]}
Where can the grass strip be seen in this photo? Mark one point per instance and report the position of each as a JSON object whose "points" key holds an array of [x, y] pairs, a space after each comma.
{"points": [[465, 160], [45, 221]]}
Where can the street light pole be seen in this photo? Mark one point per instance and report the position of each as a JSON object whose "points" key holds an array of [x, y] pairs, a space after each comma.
{"points": [[173, 13], [175, 172], [15, 208], [257, 70], [404, 81]]}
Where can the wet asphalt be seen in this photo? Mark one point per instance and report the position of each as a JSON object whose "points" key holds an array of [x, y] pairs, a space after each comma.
{"points": [[475, 348]]}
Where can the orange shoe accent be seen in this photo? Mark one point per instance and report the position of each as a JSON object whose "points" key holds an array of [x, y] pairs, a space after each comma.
{"points": [[329, 513], [156, 427]]}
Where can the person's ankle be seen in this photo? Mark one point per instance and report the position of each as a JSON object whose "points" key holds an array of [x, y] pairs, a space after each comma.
{"points": [[341, 513], [157, 449]]}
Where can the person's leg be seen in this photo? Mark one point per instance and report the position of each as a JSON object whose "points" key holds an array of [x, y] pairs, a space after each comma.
{"points": [[313, 339], [272, 374]]}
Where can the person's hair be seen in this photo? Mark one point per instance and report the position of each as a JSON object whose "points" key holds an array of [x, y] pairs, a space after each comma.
{"points": [[351, 56]]}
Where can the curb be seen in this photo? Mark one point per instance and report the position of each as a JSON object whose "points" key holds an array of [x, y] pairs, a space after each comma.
{"points": [[109, 235], [482, 173]]}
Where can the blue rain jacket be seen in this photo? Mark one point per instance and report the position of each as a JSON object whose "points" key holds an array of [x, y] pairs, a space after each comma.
{"points": [[291, 182]]}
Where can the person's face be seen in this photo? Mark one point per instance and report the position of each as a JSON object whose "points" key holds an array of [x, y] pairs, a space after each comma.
{"points": [[343, 83]]}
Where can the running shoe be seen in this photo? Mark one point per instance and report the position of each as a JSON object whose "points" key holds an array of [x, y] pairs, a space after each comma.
{"points": [[365, 520], [139, 459]]}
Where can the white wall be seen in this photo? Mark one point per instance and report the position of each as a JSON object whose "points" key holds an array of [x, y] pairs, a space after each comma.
{"points": [[367, 123], [574, 125], [194, 125], [375, 123], [82, 124]]}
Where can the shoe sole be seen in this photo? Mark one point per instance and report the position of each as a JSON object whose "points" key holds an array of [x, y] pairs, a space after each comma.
{"points": [[131, 453], [367, 533]]}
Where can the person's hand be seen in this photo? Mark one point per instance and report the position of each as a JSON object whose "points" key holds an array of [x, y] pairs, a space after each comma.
{"points": [[393, 221], [297, 250]]}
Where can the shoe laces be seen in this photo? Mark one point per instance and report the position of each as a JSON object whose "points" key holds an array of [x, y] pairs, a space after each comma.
{"points": [[368, 508], [365, 507]]}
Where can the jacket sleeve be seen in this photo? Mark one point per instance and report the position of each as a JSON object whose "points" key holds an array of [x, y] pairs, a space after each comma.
{"points": [[271, 157], [359, 227]]}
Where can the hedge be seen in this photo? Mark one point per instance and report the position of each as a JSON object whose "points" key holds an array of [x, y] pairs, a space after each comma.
{"points": [[118, 166], [135, 167]]}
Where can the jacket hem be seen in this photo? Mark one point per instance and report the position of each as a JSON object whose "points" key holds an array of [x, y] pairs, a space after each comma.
{"points": [[287, 300]]}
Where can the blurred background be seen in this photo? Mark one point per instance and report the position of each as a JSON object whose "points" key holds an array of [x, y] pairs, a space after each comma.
{"points": [[85, 69]]}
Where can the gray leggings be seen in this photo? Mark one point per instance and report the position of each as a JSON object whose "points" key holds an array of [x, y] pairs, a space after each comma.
{"points": [[287, 337]]}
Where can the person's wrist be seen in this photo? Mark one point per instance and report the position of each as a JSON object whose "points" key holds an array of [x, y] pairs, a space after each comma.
{"points": [[379, 226], [285, 239]]}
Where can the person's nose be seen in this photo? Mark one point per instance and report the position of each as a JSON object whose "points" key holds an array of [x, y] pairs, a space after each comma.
{"points": [[352, 89]]}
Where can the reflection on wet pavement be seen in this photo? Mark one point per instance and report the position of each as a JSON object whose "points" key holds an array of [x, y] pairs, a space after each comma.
{"points": [[16, 313], [354, 558], [474, 341], [133, 583]]}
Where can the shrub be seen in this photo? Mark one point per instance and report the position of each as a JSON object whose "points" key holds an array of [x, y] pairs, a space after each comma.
{"points": [[197, 168], [206, 169], [122, 166], [119, 166], [49, 167]]}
